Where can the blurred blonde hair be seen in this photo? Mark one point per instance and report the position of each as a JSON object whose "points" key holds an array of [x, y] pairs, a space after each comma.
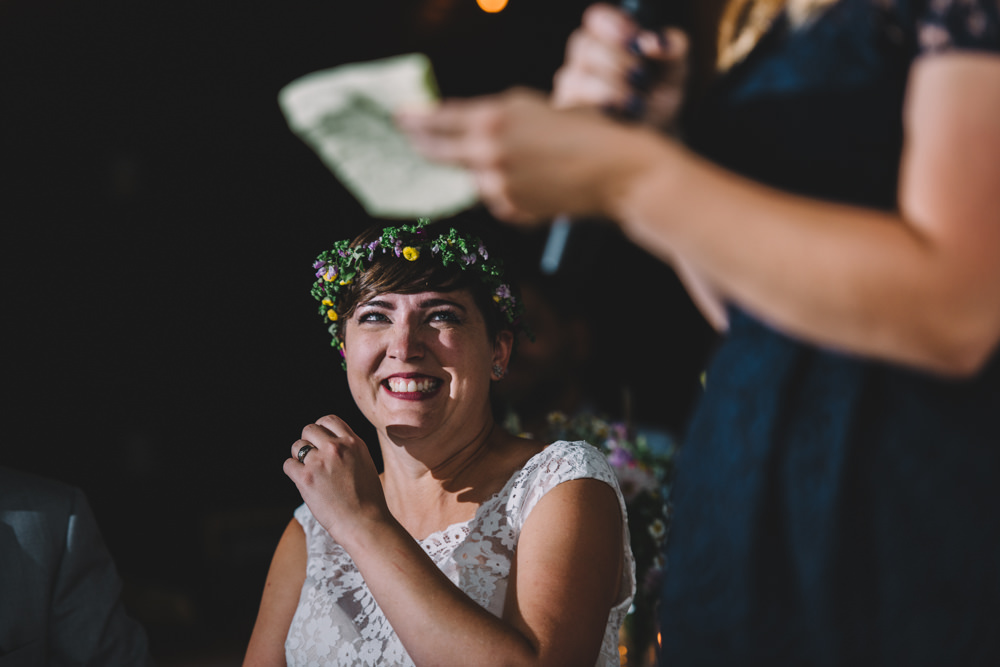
{"points": [[744, 23]]}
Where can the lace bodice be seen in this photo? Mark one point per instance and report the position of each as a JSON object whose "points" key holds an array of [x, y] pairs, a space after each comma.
{"points": [[338, 621]]}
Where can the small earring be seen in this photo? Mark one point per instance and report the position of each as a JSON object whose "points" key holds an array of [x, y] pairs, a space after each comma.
{"points": [[499, 371]]}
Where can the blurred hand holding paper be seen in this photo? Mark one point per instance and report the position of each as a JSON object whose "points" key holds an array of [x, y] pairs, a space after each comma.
{"points": [[345, 115]]}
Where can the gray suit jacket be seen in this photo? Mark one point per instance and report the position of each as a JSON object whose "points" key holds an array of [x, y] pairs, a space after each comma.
{"points": [[59, 590]]}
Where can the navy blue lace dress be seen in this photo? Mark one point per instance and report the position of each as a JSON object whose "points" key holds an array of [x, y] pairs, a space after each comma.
{"points": [[832, 510]]}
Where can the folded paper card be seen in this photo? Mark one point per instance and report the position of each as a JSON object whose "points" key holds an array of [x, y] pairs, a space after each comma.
{"points": [[345, 115]]}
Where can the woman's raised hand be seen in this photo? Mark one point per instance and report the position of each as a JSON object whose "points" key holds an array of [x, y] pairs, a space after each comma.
{"points": [[531, 161], [337, 477], [613, 65]]}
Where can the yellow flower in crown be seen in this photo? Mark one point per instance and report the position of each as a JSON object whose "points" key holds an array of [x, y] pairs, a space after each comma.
{"points": [[341, 265]]}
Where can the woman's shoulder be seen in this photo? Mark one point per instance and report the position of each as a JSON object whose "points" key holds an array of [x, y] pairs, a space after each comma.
{"points": [[559, 462], [565, 457]]}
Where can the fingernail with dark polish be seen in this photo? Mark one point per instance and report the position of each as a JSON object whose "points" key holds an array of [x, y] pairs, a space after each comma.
{"points": [[611, 110], [635, 106], [633, 46], [639, 77]]}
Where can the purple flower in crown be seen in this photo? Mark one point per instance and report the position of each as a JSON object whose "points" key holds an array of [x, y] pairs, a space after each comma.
{"points": [[453, 247]]}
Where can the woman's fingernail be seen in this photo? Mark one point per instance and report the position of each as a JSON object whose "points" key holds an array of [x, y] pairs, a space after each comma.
{"points": [[633, 46], [610, 110], [639, 77], [634, 108]]}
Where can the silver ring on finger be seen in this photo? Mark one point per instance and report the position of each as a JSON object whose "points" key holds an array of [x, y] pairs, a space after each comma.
{"points": [[303, 450]]}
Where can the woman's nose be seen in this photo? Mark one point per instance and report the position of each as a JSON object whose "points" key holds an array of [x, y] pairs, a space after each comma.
{"points": [[405, 343]]}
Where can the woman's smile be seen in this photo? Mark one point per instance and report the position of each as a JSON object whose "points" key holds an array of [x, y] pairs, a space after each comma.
{"points": [[412, 386], [420, 361]]}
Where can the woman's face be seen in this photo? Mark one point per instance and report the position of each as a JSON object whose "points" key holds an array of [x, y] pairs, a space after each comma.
{"points": [[421, 363]]}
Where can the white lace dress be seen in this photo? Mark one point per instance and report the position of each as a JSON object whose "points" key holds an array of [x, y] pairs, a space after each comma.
{"points": [[338, 621]]}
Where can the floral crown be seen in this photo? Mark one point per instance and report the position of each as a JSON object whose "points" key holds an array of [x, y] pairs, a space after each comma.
{"points": [[338, 267]]}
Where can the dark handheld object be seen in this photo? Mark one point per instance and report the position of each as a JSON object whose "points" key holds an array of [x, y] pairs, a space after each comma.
{"points": [[650, 15]]}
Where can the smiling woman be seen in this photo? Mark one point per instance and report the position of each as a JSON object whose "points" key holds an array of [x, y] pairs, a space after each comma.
{"points": [[423, 363], [465, 550]]}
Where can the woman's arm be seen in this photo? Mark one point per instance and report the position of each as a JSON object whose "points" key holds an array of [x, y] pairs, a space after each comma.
{"points": [[564, 581], [279, 601], [561, 590], [567, 572], [919, 287]]}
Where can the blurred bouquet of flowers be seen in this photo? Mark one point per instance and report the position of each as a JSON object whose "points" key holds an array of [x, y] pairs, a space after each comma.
{"points": [[644, 475]]}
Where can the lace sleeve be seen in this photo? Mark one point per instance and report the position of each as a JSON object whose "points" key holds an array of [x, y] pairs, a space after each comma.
{"points": [[559, 462], [959, 24]]}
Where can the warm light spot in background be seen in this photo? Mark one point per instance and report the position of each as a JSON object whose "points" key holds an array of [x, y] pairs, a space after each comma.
{"points": [[491, 6]]}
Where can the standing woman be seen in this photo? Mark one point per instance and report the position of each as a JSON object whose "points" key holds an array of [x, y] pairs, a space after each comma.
{"points": [[473, 547], [836, 207]]}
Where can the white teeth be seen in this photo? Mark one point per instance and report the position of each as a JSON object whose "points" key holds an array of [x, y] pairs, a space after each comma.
{"points": [[403, 385]]}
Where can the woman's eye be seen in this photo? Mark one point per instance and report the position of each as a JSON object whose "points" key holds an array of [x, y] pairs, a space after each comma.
{"points": [[445, 316], [372, 316]]}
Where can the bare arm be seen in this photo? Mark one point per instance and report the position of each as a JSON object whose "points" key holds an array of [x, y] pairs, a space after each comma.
{"points": [[919, 287], [557, 601], [279, 601], [554, 597]]}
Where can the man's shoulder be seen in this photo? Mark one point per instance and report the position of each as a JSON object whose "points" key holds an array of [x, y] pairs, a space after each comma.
{"points": [[23, 494]]}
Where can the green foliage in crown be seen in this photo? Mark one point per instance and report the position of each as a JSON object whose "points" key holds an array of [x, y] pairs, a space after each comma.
{"points": [[339, 267]]}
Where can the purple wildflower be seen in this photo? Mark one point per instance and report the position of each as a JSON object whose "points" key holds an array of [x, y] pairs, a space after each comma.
{"points": [[633, 480], [619, 458], [504, 292], [482, 251], [620, 431], [469, 258]]}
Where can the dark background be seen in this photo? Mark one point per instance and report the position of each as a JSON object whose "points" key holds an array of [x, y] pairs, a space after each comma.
{"points": [[159, 220]]}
